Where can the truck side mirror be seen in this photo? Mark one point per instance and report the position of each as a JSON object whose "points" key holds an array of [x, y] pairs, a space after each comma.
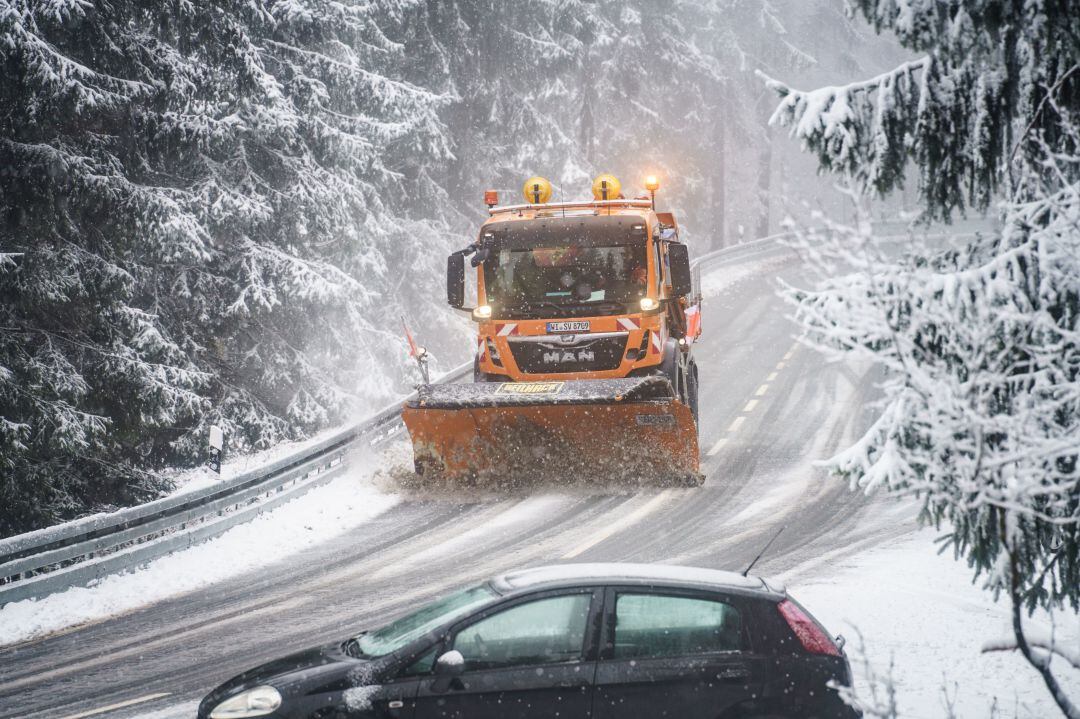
{"points": [[682, 281], [455, 280]]}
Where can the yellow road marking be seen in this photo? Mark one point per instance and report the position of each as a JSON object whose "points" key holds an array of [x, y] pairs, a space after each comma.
{"points": [[771, 377], [619, 525], [779, 366], [750, 406], [762, 390], [788, 355], [118, 705], [734, 427], [717, 447]]}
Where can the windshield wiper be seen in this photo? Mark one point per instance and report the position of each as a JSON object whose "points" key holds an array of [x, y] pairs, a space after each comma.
{"points": [[548, 303], [352, 646], [534, 308]]}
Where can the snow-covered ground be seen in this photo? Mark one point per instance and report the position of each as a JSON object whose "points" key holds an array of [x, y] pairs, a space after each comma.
{"points": [[913, 608], [191, 480], [306, 521], [725, 278], [921, 611]]}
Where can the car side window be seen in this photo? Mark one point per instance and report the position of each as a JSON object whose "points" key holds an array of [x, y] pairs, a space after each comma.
{"points": [[421, 666], [660, 625], [544, 631]]}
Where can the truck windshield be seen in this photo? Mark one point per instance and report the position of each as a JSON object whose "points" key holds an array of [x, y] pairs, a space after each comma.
{"points": [[596, 278]]}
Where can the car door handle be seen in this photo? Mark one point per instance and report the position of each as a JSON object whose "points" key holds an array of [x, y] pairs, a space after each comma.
{"points": [[733, 676]]}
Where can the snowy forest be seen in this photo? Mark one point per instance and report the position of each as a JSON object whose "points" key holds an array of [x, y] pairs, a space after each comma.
{"points": [[218, 212]]}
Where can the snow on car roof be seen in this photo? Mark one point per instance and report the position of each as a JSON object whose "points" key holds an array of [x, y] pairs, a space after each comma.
{"points": [[610, 572]]}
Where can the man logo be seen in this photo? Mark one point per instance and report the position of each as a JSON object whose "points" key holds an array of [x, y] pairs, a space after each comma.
{"points": [[561, 356]]}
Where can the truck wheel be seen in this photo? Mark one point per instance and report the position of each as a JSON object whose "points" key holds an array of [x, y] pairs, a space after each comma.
{"points": [[692, 374], [674, 370]]}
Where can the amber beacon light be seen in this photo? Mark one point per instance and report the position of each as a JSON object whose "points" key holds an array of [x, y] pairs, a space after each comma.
{"points": [[652, 184], [606, 187], [537, 190]]}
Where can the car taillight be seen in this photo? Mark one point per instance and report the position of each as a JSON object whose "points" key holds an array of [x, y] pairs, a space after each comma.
{"points": [[813, 639]]}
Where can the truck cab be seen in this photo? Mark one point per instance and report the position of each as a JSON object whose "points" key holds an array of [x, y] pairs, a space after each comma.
{"points": [[581, 290]]}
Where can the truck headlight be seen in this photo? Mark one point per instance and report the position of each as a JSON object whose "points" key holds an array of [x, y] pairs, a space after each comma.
{"points": [[482, 312], [256, 702], [648, 304]]}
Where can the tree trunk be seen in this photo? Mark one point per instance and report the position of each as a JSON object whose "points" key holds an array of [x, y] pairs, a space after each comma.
{"points": [[765, 185], [719, 189]]}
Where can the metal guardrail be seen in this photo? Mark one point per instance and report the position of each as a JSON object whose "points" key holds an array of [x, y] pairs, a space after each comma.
{"points": [[755, 249], [77, 553]]}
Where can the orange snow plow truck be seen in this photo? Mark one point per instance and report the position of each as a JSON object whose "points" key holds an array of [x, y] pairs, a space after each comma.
{"points": [[587, 315]]}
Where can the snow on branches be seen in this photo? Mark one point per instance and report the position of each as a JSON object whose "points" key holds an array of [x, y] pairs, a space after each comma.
{"points": [[981, 351], [959, 113], [198, 202], [980, 343]]}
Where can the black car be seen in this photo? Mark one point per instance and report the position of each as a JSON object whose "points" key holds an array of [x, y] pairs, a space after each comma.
{"points": [[568, 641]]}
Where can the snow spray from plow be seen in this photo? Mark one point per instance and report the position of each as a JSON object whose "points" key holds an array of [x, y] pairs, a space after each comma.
{"points": [[593, 430]]}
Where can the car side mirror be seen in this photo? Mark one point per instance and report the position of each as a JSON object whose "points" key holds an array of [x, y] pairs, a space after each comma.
{"points": [[455, 280], [682, 282], [448, 668], [450, 664]]}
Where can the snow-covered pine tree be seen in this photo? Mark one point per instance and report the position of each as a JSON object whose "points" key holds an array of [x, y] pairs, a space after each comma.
{"points": [[512, 68], [508, 67], [570, 88], [981, 344], [196, 197], [657, 75]]}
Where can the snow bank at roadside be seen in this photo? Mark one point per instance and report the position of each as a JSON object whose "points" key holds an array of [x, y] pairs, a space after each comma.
{"points": [[922, 611], [724, 278], [315, 517], [190, 480]]}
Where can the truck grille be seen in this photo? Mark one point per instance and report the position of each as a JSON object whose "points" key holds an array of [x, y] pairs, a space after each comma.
{"points": [[578, 353]]}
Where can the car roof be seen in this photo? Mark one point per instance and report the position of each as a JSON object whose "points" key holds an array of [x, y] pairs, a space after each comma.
{"points": [[651, 575]]}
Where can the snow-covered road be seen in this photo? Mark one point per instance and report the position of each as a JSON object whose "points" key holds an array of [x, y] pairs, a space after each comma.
{"points": [[768, 409]]}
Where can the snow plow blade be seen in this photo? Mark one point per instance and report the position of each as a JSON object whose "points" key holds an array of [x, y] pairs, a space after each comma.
{"points": [[563, 431]]}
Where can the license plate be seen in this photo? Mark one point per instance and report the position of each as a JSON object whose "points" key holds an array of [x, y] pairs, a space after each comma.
{"points": [[579, 326], [656, 420]]}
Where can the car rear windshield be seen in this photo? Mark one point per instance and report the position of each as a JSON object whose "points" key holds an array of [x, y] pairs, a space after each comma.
{"points": [[399, 633]]}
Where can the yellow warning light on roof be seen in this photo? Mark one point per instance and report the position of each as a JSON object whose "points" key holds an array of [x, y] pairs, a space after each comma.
{"points": [[606, 187], [537, 190], [652, 183]]}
